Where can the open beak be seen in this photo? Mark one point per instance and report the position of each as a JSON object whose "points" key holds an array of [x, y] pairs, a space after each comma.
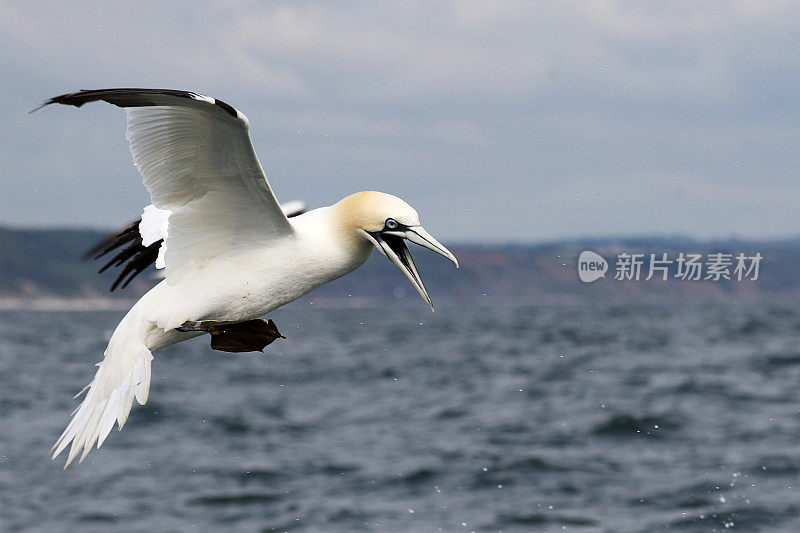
{"points": [[391, 243]]}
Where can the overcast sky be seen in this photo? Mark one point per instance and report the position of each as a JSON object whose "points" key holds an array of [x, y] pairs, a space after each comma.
{"points": [[498, 121]]}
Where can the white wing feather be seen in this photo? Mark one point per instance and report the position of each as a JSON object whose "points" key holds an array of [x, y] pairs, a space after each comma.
{"points": [[154, 227], [197, 162]]}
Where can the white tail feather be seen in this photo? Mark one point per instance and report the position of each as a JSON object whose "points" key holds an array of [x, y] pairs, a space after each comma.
{"points": [[123, 374]]}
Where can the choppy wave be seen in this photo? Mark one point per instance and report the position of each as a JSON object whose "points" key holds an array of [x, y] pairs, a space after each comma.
{"points": [[581, 417]]}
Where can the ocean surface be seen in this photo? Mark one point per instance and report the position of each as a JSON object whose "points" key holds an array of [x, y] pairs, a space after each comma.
{"points": [[577, 417]]}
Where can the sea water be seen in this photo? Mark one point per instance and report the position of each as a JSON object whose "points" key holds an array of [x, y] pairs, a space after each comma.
{"points": [[586, 416]]}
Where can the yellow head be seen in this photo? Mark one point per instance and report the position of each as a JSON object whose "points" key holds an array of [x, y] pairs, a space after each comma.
{"points": [[369, 210], [387, 221]]}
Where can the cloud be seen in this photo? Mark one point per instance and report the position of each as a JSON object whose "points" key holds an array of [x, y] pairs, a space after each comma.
{"points": [[478, 111]]}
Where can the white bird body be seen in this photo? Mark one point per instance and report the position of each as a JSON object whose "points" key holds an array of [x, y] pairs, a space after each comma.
{"points": [[229, 252], [254, 281]]}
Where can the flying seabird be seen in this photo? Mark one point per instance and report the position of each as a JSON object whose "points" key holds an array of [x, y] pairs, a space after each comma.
{"points": [[229, 252]]}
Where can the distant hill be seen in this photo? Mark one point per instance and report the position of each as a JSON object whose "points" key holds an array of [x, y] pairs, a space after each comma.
{"points": [[47, 264]]}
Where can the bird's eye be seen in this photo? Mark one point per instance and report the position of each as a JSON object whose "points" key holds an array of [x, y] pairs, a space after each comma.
{"points": [[391, 223]]}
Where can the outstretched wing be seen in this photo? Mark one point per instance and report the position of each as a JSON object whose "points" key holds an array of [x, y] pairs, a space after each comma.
{"points": [[195, 156]]}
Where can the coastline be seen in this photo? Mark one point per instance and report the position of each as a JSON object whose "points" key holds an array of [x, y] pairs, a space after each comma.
{"points": [[65, 304]]}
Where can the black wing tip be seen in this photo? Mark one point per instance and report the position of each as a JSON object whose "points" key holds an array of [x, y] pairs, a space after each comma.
{"points": [[45, 103], [131, 253], [127, 234], [66, 99], [132, 97]]}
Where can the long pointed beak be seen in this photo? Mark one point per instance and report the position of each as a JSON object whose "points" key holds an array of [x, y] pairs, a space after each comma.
{"points": [[418, 235], [392, 245]]}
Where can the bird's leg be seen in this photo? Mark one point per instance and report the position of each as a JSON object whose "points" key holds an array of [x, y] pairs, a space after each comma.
{"points": [[230, 336]]}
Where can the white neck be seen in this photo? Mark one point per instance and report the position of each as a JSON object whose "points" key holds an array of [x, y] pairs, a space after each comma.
{"points": [[323, 235]]}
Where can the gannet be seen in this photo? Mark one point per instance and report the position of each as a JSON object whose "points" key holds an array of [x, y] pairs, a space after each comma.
{"points": [[229, 252]]}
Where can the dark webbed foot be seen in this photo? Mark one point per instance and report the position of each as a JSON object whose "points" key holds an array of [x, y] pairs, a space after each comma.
{"points": [[247, 336]]}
